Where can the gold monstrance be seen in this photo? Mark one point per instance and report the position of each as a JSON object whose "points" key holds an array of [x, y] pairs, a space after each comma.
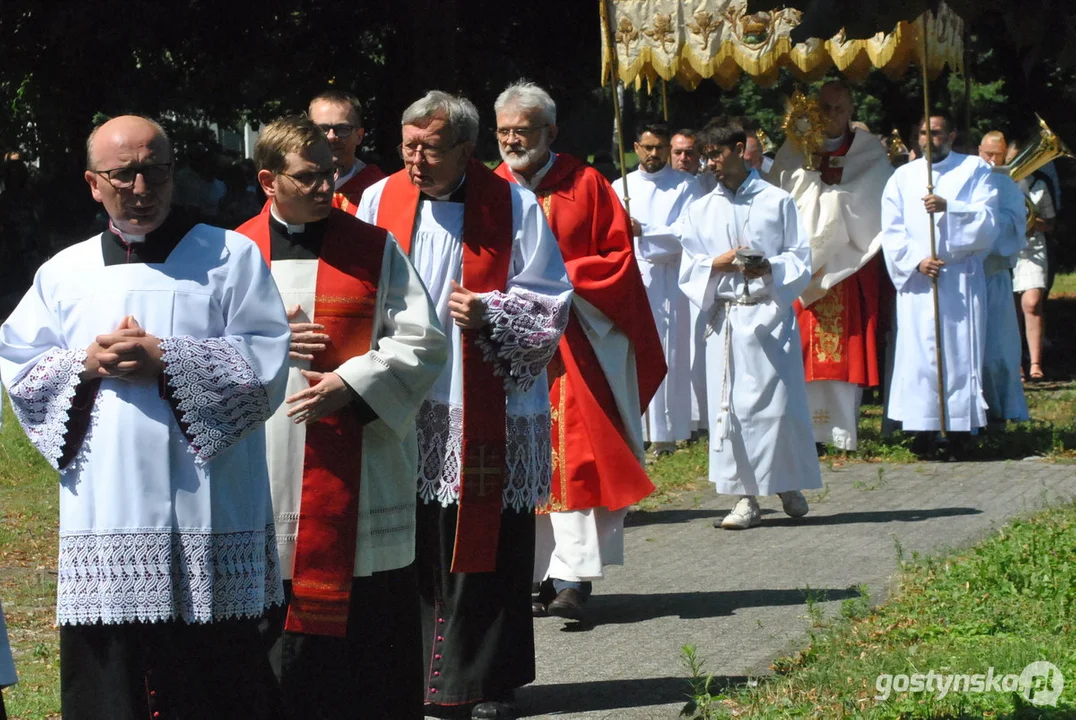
{"points": [[805, 126]]}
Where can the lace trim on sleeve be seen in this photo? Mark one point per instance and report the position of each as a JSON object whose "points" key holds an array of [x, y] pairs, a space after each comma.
{"points": [[215, 391], [522, 335], [528, 457], [153, 575], [42, 399]]}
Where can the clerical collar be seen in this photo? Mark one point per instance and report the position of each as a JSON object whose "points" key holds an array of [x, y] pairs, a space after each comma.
{"points": [[342, 180], [288, 227], [537, 178], [120, 248], [457, 195], [295, 242]]}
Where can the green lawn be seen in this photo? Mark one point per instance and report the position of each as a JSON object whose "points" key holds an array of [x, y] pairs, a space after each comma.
{"points": [[1007, 602]]}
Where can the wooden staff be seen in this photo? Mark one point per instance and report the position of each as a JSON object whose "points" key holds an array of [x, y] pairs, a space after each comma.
{"points": [[928, 153], [665, 99], [607, 24]]}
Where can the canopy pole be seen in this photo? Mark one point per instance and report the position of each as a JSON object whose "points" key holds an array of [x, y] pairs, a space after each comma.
{"points": [[967, 87], [607, 23], [928, 154], [665, 99]]}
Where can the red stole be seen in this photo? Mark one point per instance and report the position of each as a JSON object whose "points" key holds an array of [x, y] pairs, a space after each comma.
{"points": [[349, 269], [838, 331], [487, 257], [347, 196], [593, 465]]}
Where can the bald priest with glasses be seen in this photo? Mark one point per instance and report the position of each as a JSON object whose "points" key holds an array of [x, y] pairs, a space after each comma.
{"points": [[143, 364]]}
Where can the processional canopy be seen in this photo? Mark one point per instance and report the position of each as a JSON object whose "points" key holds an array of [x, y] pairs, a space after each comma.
{"points": [[690, 40]]}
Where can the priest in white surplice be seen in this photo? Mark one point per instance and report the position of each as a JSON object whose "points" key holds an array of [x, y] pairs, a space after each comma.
{"points": [[1002, 386], [658, 195], [965, 207], [366, 348], [760, 431], [142, 364], [497, 279], [840, 206]]}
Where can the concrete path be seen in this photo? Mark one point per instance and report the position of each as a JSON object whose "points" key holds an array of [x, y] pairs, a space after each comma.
{"points": [[739, 596]]}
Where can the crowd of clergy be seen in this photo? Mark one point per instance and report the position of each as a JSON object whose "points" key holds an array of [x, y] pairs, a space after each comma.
{"points": [[334, 462]]}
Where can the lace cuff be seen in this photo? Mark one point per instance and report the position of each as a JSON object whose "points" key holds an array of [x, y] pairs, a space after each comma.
{"points": [[523, 332], [42, 400], [216, 394]]}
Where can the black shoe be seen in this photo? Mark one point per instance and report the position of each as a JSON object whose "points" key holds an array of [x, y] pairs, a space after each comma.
{"points": [[541, 595], [495, 710], [568, 604]]}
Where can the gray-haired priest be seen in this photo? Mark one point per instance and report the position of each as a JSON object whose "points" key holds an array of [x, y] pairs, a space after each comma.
{"points": [[142, 364], [366, 348], [497, 279]]}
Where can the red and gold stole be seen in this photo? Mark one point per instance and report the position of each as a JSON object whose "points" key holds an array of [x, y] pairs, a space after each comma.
{"points": [[349, 268], [487, 257]]}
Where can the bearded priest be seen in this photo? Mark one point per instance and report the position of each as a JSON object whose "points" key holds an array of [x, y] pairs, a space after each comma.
{"points": [[608, 366]]}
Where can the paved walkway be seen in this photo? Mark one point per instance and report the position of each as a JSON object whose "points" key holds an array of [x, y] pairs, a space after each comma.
{"points": [[739, 596]]}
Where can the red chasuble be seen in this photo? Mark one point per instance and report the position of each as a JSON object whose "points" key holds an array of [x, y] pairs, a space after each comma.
{"points": [[348, 195], [487, 257], [593, 465], [838, 332], [349, 268]]}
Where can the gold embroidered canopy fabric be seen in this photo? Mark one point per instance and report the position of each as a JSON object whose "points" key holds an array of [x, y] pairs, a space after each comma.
{"points": [[689, 40]]}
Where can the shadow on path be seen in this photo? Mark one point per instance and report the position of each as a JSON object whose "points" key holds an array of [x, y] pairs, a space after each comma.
{"points": [[609, 695], [617, 609], [776, 518]]}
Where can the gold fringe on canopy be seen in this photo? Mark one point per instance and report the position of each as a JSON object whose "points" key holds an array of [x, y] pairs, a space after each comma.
{"points": [[689, 40]]}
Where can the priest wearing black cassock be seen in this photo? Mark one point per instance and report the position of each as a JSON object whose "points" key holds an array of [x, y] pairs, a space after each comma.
{"points": [[167, 555], [495, 273], [366, 347]]}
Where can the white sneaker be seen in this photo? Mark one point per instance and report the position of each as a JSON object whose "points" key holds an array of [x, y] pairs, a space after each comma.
{"points": [[745, 515], [793, 502]]}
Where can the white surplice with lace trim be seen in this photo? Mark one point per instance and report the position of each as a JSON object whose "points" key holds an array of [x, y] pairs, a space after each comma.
{"points": [[158, 521], [525, 325]]}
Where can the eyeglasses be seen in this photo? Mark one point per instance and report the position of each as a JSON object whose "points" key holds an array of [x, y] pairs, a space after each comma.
{"points": [[342, 131], [433, 155], [123, 178], [650, 149], [520, 132], [713, 153], [311, 180]]}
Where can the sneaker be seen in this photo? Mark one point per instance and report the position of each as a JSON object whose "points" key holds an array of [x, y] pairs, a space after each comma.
{"points": [[745, 515], [793, 502]]}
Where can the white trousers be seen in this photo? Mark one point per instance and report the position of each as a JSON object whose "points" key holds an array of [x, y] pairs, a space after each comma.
{"points": [[576, 545]]}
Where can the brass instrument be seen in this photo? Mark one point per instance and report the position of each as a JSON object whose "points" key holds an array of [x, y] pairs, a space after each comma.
{"points": [[1046, 146]]}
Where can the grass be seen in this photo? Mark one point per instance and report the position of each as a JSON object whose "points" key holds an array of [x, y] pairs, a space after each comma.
{"points": [[1005, 603], [29, 507]]}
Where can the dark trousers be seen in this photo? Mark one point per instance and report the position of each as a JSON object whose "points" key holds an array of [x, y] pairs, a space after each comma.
{"points": [[373, 673], [166, 671]]}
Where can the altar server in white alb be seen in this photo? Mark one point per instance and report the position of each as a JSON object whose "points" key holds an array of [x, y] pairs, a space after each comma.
{"points": [[658, 195], [1002, 387], [965, 207], [761, 442], [142, 364]]}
